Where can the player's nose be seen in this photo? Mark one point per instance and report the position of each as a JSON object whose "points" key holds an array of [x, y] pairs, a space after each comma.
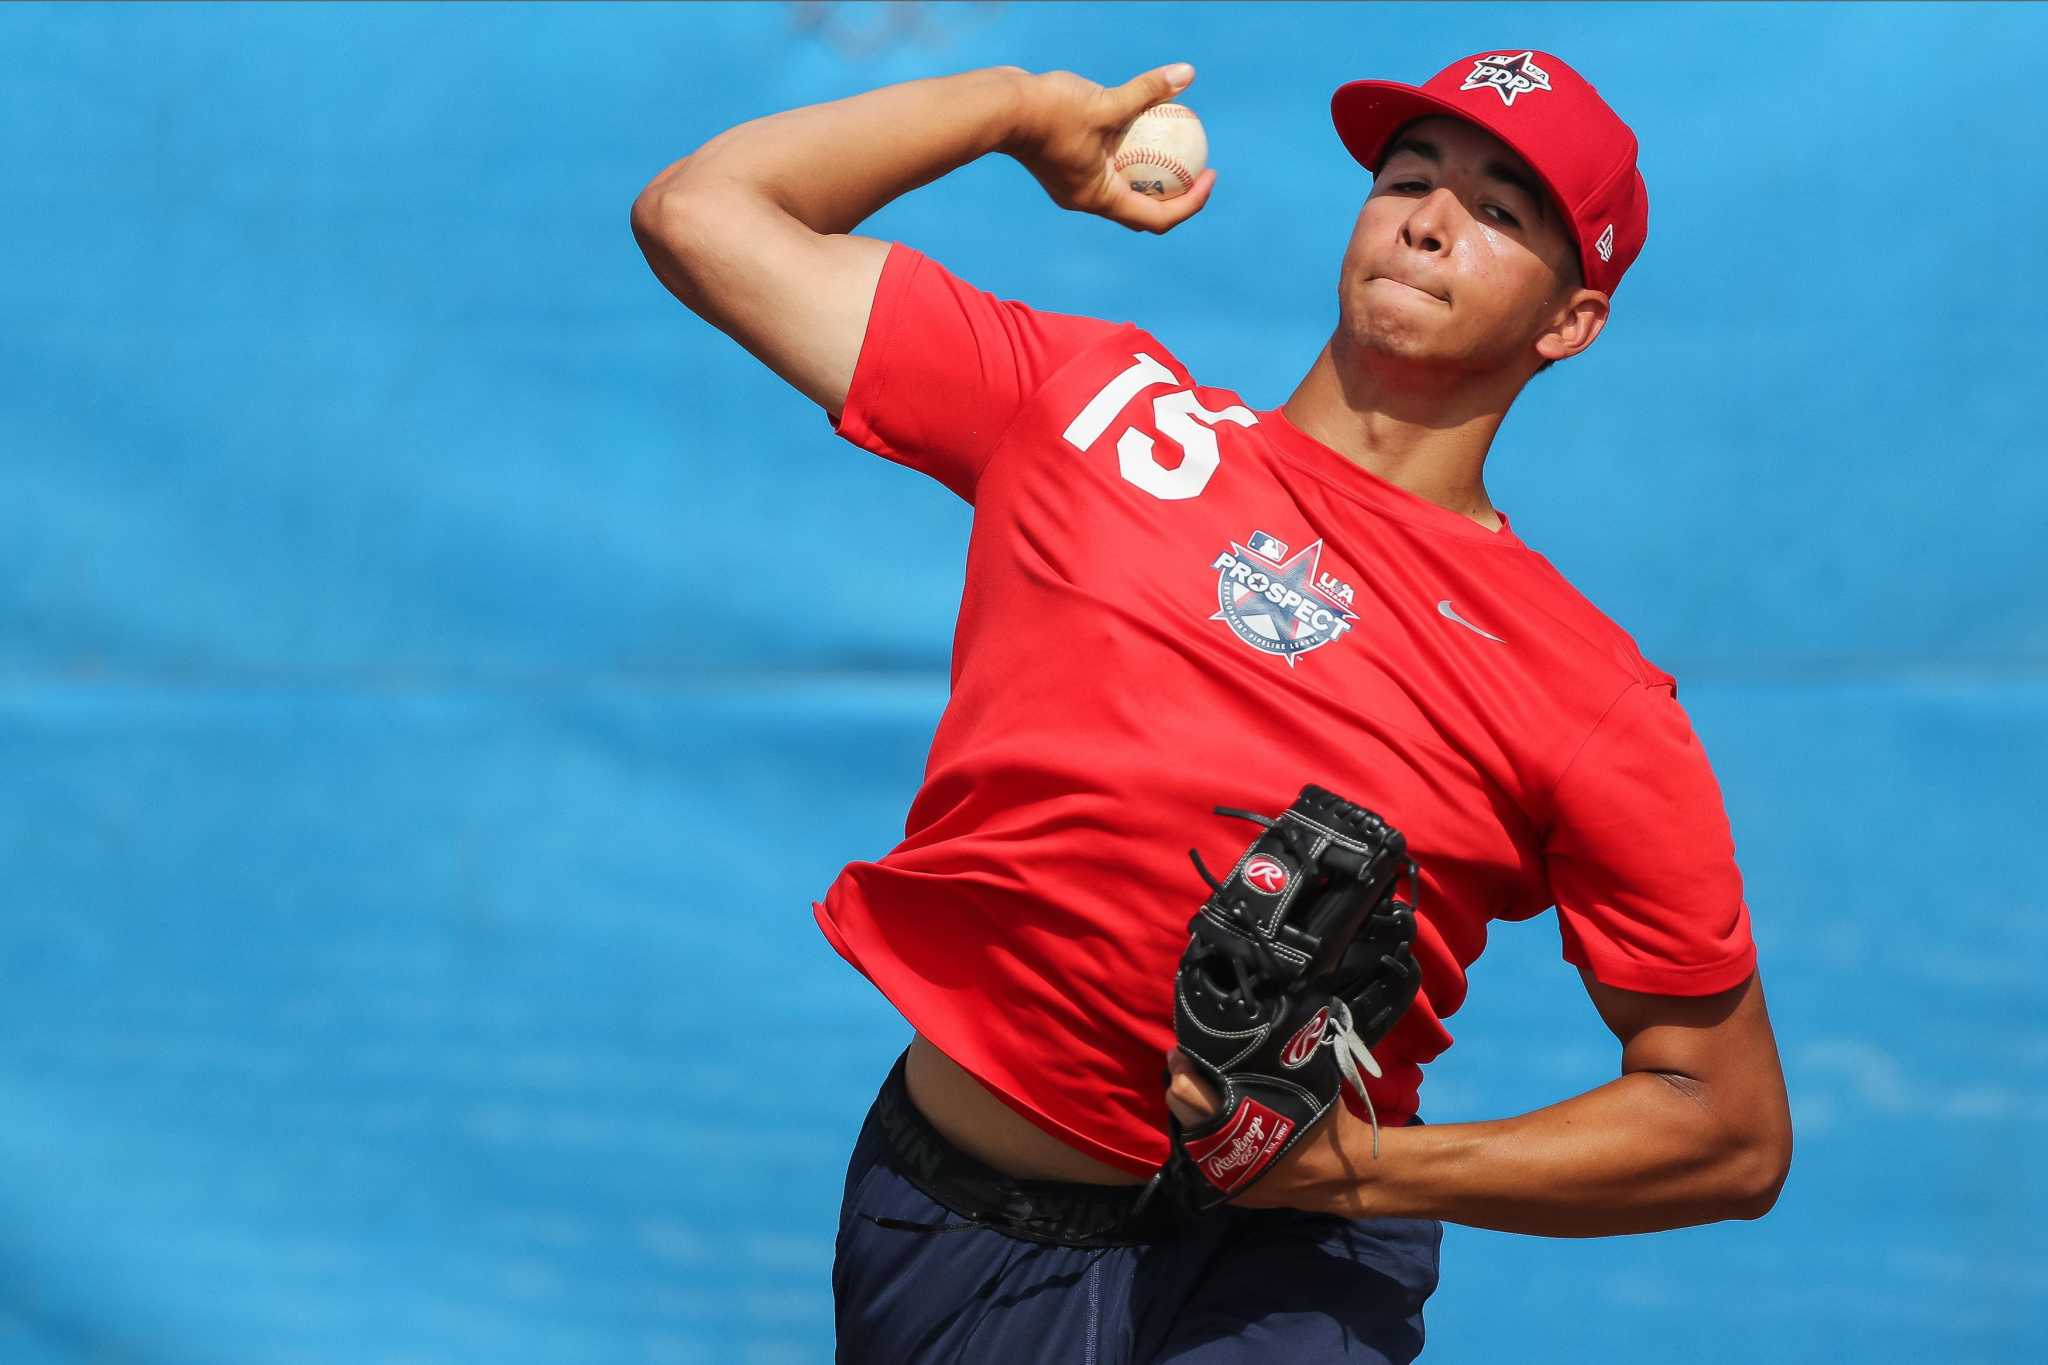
{"points": [[1429, 223]]}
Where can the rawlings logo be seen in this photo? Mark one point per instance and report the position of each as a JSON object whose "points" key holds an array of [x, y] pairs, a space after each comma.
{"points": [[1242, 1150], [1267, 875], [1254, 1135], [1305, 1041]]}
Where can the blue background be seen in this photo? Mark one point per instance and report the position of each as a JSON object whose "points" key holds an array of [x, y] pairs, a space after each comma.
{"points": [[391, 965]]}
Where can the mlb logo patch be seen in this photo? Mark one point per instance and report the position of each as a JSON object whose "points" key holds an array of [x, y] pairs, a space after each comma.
{"points": [[1271, 547]]}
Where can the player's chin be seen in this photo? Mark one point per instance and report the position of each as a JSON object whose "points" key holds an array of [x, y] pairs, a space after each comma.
{"points": [[1396, 316], [1397, 338]]}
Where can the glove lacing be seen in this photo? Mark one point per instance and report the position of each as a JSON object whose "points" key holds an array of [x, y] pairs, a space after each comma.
{"points": [[1351, 1052]]}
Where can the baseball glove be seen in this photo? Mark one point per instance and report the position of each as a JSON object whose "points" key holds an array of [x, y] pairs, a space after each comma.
{"points": [[1297, 964]]}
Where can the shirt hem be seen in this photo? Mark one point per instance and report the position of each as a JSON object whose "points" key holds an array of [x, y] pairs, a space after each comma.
{"points": [[1052, 1127], [1652, 978]]}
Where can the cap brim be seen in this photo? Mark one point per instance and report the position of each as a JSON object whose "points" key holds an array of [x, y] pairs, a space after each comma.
{"points": [[1367, 113]]}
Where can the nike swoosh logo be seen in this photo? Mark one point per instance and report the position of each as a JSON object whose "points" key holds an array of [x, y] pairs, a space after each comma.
{"points": [[1445, 610]]}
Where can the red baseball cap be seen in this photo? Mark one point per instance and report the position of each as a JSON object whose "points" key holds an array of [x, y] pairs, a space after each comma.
{"points": [[1553, 118]]}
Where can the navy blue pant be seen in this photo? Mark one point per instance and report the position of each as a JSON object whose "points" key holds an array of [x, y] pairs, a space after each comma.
{"points": [[1245, 1285]]}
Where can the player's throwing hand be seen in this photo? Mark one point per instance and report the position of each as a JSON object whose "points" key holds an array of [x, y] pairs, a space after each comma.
{"points": [[1068, 135]]}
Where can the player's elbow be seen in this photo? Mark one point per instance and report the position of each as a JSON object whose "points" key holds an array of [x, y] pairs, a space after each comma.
{"points": [[684, 232], [647, 215], [1743, 1152], [669, 219], [1757, 1169]]}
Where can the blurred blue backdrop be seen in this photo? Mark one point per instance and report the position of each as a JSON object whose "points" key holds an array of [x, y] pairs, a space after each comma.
{"points": [[379, 984]]}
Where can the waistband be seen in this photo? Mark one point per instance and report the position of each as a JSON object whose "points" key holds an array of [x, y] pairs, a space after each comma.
{"points": [[1059, 1212]]}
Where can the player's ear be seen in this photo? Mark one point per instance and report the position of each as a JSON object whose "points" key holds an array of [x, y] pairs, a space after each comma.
{"points": [[1573, 324]]}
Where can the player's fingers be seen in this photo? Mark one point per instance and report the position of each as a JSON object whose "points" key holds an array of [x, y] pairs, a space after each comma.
{"points": [[1190, 1098], [1156, 86], [1191, 203], [1140, 211]]}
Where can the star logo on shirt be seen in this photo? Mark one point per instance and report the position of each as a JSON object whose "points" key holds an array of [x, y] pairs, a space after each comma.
{"points": [[1508, 75], [1279, 607]]}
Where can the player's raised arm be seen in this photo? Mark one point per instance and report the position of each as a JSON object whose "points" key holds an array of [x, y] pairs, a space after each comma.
{"points": [[750, 230]]}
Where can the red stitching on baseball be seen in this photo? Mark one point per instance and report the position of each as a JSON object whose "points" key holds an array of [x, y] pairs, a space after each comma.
{"points": [[1140, 156]]}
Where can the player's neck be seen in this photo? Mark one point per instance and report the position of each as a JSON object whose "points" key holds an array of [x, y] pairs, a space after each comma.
{"points": [[1423, 432]]}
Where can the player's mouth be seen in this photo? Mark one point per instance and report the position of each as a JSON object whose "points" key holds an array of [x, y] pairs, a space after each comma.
{"points": [[1416, 288]]}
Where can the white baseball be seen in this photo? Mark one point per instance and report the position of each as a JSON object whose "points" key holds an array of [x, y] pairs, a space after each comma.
{"points": [[1163, 152]]}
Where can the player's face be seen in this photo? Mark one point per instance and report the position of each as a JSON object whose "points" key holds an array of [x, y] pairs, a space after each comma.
{"points": [[1452, 263]]}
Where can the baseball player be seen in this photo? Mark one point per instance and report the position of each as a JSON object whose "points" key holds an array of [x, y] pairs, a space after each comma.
{"points": [[1174, 601]]}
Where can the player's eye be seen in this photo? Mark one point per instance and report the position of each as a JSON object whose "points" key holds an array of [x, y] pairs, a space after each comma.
{"points": [[1505, 216]]}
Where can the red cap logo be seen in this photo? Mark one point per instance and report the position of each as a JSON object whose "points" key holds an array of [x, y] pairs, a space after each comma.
{"points": [[1507, 75]]}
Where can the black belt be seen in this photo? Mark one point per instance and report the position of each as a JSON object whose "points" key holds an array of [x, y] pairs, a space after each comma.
{"points": [[1059, 1212]]}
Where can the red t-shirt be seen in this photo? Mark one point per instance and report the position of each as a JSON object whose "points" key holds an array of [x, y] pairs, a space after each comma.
{"points": [[1173, 602]]}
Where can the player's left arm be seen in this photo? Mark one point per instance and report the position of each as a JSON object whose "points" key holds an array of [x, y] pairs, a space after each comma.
{"points": [[1695, 1129]]}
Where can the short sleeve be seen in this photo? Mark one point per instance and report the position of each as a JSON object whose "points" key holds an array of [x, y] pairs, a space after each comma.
{"points": [[944, 368], [1640, 857]]}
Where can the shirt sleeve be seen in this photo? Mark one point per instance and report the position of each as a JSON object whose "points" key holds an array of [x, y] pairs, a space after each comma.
{"points": [[1641, 860], [945, 367]]}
